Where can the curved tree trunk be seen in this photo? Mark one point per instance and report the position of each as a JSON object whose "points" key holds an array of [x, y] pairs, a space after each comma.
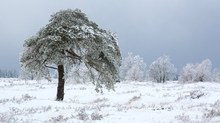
{"points": [[61, 82]]}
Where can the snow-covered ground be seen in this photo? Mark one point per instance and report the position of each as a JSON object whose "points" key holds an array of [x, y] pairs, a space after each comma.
{"points": [[132, 102]]}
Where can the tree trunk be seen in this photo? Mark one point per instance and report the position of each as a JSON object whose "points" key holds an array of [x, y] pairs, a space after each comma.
{"points": [[61, 82], [164, 78]]}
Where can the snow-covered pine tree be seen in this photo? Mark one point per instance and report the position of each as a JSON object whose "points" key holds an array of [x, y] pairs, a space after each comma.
{"points": [[80, 74], [162, 69], [71, 39]]}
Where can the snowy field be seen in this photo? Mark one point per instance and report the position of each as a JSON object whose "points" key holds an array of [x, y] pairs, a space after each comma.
{"points": [[132, 102]]}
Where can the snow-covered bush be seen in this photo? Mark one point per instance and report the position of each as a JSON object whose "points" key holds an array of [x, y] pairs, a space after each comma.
{"points": [[6, 117], [197, 72], [183, 117], [196, 94], [82, 115], [58, 119], [162, 69], [214, 111], [134, 98], [133, 68], [96, 116], [99, 100], [23, 98]]}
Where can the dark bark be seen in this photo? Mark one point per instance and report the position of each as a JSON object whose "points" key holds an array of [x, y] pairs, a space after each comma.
{"points": [[61, 82], [164, 78]]}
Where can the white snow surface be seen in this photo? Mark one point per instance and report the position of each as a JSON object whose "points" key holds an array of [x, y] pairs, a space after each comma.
{"points": [[131, 102]]}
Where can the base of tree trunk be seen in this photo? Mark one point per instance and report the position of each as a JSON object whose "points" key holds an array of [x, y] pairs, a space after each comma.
{"points": [[61, 82]]}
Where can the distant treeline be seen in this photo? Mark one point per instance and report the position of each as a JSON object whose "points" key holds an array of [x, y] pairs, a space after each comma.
{"points": [[8, 74]]}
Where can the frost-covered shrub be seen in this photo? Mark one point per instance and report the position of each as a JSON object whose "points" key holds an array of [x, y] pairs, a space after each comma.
{"points": [[26, 97], [196, 94], [184, 118], [197, 72], [58, 119], [214, 112], [23, 98], [7, 118], [134, 98], [99, 100], [162, 70], [96, 116], [82, 115], [133, 68]]}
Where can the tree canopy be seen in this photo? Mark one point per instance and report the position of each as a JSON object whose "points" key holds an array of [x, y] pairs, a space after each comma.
{"points": [[162, 69], [133, 68], [69, 39], [197, 72]]}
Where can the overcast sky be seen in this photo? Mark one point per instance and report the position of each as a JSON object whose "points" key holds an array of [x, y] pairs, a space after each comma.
{"points": [[186, 30]]}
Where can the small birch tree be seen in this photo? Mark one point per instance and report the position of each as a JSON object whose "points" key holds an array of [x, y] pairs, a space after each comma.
{"points": [[162, 69], [197, 72], [133, 68]]}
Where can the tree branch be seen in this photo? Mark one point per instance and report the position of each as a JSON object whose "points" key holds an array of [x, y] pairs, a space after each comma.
{"points": [[73, 54], [51, 67]]}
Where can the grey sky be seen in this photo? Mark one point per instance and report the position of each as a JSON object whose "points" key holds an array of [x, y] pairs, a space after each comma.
{"points": [[186, 30]]}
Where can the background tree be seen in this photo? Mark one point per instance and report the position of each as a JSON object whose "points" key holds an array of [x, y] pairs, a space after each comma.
{"points": [[216, 75], [197, 72], [162, 69], [71, 39], [133, 68], [8, 73], [188, 73]]}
